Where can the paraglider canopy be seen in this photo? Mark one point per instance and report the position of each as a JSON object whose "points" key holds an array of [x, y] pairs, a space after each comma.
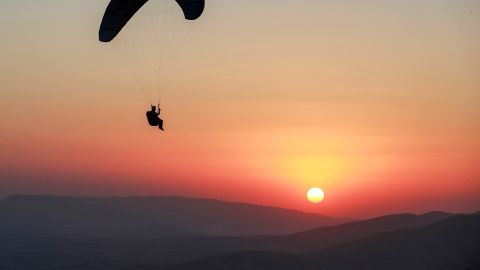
{"points": [[119, 12]]}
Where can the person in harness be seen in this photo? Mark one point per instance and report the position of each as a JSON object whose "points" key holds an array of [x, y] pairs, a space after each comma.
{"points": [[154, 117]]}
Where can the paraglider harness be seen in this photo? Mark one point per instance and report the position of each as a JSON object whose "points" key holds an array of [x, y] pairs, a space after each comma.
{"points": [[153, 117]]}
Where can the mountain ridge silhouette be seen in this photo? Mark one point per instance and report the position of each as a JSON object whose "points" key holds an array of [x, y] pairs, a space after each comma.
{"points": [[176, 215]]}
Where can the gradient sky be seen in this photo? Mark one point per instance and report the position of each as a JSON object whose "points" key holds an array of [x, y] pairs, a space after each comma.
{"points": [[376, 102]]}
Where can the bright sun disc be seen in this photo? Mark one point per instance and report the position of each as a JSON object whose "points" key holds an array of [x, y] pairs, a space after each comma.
{"points": [[315, 195]]}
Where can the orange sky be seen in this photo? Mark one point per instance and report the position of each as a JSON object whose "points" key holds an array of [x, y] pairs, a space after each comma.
{"points": [[377, 104]]}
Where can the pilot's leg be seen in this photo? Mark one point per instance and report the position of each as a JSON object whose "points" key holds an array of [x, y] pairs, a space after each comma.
{"points": [[160, 124]]}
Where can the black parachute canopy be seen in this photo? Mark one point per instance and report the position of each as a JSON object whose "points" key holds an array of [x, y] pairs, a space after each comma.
{"points": [[119, 12]]}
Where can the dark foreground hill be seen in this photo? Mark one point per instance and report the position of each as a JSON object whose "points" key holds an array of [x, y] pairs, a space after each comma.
{"points": [[453, 243], [260, 260], [148, 216]]}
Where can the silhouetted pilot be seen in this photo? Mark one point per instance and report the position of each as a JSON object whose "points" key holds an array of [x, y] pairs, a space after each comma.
{"points": [[154, 119]]}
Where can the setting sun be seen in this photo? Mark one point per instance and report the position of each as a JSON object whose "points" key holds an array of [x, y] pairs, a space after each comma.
{"points": [[315, 195]]}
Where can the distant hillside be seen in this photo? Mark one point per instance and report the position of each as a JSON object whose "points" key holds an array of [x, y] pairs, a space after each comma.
{"points": [[311, 240], [74, 217], [149, 216], [135, 234], [453, 243], [221, 218], [333, 235]]}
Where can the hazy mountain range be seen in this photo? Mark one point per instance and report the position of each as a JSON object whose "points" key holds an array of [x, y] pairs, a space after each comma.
{"points": [[51, 232], [453, 243], [149, 216]]}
